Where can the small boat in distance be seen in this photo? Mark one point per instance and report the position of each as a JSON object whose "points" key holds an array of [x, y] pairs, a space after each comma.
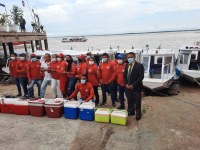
{"points": [[74, 39]]}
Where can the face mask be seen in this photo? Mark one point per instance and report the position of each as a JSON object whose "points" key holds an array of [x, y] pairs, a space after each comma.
{"points": [[120, 61], [88, 56], [91, 63], [22, 58], [104, 59], [83, 81], [131, 60], [58, 59], [53, 59], [12, 58], [34, 59]]}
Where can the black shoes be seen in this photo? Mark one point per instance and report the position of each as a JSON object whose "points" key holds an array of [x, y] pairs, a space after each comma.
{"points": [[18, 95], [121, 107], [138, 118]]}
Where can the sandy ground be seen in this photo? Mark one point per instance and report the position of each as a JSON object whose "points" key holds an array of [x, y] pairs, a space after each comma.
{"points": [[168, 123]]}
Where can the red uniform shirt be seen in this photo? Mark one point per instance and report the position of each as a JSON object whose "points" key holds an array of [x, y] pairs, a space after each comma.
{"points": [[34, 71], [81, 69], [93, 74], [12, 67], [53, 66], [107, 72], [86, 91], [22, 68], [119, 73], [72, 71]]}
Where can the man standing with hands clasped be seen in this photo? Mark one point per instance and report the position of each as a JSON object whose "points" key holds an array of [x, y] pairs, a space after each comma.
{"points": [[133, 76]]}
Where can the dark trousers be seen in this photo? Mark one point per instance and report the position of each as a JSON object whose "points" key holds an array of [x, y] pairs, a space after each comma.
{"points": [[107, 88], [115, 89], [71, 85], [134, 102], [121, 90], [96, 93], [17, 82], [24, 83]]}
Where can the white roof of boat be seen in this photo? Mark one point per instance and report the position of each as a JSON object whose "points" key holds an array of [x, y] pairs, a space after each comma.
{"points": [[159, 52], [135, 50], [190, 48]]}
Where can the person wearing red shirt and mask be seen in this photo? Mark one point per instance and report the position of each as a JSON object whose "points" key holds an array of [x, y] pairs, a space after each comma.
{"points": [[55, 80], [107, 70], [71, 74], [45, 65], [34, 75], [85, 88], [93, 77], [119, 75], [61, 69], [12, 68], [21, 69], [81, 67]]}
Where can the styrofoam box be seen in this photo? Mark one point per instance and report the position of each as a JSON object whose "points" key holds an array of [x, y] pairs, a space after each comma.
{"points": [[102, 115], [87, 111], [7, 105], [119, 117], [71, 109], [21, 107]]}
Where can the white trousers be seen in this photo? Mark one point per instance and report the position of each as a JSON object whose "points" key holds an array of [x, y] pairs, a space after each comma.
{"points": [[55, 88]]}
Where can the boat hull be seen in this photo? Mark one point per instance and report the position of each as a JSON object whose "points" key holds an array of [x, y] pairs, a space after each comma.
{"points": [[190, 75]]}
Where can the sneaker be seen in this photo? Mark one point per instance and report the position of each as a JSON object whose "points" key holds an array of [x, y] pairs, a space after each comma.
{"points": [[121, 107], [103, 104], [18, 95]]}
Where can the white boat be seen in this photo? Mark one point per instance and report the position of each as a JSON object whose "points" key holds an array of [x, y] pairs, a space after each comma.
{"points": [[74, 39], [159, 68], [188, 63]]}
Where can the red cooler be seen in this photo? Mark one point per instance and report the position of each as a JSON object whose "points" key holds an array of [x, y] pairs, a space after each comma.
{"points": [[54, 108], [7, 105], [36, 107], [21, 107]]}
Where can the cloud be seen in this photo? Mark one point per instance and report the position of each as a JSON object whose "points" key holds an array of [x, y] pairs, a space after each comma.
{"points": [[76, 17]]}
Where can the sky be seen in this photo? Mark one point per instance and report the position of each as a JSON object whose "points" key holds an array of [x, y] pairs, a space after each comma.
{"points": [[97, 17]]}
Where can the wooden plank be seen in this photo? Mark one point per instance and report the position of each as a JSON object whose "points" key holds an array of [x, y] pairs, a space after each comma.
{"points": [[20, 38], [21, 34]]}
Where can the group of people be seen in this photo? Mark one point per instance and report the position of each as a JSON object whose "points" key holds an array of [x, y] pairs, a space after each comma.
{"points": [[123, 75]]}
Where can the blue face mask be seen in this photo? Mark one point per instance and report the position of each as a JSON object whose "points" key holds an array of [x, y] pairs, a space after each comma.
{"points": [[83, 81], [131, 60]]}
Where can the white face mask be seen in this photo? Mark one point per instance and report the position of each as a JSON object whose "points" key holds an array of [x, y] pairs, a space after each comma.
{"points": [[83, 81], [88, 56], [104, 59], [91, 62], [58, 59], [22, 58], [12, 58], [119, 61], [34, 59], [53, 59]]}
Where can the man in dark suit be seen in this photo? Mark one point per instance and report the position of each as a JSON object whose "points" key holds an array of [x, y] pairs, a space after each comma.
{"points": [[133, 76]]}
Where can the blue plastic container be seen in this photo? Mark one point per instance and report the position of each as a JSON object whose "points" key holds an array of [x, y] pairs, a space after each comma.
{"points": [[87, 111], [71, 109]]}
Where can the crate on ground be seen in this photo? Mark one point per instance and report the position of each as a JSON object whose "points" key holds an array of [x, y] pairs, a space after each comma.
{"points": [[87, 111], [54, 108], [102, 115], [7, 105], [36, 107], [21, 107], [119, 117], [71, 109]]}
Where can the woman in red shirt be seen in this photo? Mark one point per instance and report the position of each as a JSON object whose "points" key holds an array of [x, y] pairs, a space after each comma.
{"points": [[93, 77]]}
